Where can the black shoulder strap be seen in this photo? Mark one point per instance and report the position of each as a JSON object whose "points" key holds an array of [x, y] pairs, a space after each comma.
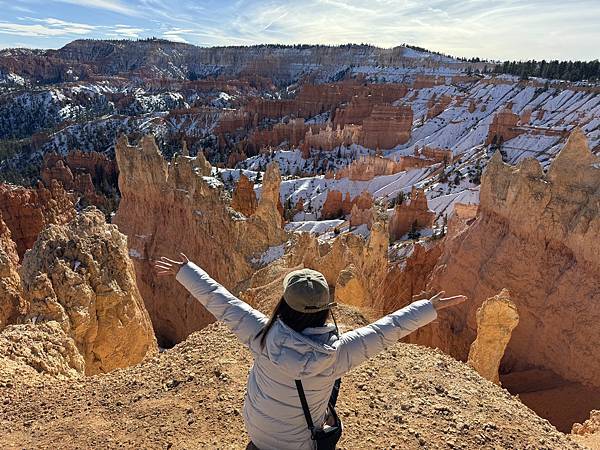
{"points": [[334, 393], [307, 416]]}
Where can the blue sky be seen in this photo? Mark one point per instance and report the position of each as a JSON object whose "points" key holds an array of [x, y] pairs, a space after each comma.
{"points": [[498, 29]]}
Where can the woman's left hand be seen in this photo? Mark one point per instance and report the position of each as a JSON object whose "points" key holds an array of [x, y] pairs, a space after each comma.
{"points": [[165, 266]]}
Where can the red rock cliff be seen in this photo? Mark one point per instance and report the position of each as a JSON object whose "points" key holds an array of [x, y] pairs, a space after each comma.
{"points": [[26, 211], [537, 235], [170, 208]]}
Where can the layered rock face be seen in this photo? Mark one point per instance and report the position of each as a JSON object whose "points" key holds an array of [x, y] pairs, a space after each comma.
{"points": [[170, 208], [368, 167], [244, 197], [80, 275], [536, 234], [387, 126], [11, 303], [497, 317], [414, 214], [26, 211], [436, 105], [330, 138]]}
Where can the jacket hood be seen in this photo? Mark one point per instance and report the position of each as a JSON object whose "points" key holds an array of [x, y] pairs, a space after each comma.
{"points": [[305, 354]]}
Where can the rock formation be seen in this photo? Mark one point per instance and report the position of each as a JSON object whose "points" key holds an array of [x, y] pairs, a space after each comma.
{"points": [[503, 127], [80, 275], [360, 216], [91, 175], [329, 139], [497, 317], [44, 347], [362, 210], [436, 105], [387, 126], [349, 288], [170, 208], [408, 275], [270, 209], [536, 235], [332, 207], [366, 168], [244, 197], [11, 302], [590, 426], [414, 214], [26, 211]]}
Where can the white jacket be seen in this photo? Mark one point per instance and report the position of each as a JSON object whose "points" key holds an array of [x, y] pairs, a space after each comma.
{"points": [[272, 411]]}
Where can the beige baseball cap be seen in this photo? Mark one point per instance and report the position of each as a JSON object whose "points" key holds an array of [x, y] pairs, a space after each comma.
{"points": [[306, 291]]}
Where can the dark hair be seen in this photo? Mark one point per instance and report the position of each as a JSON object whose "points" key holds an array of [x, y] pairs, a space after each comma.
{"points": [[296, 320]]}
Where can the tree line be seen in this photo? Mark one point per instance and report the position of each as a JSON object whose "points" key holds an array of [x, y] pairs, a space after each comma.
{"points": [[557, 70]]}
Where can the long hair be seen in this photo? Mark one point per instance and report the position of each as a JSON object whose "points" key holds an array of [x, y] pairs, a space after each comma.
{"points": [[296, 320]]}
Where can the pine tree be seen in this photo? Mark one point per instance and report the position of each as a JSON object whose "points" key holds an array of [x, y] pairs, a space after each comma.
{"points": [[413, 233]]}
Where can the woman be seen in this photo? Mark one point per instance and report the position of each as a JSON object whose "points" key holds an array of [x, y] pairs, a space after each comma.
{"points": [[295, 343]]}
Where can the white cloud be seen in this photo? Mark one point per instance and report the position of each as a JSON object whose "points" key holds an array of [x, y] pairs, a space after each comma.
{"points": [[107, 5], [127, 31], [46, 27]]}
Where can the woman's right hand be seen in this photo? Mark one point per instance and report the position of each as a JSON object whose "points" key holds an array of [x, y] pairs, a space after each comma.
{"points": [[165, 266], [439, 302]]}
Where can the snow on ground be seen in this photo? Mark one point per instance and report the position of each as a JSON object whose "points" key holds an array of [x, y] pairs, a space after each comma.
{"points": [[318, 227], [444, 204], [291, 161], [313, 190], [269, 255]]}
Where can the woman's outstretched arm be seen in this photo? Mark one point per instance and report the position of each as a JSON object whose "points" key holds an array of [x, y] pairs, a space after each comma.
{"points": [[363, 343], [243, 320]]}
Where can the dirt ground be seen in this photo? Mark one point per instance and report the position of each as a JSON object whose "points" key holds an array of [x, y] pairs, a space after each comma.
{"points": [[190, 397]]}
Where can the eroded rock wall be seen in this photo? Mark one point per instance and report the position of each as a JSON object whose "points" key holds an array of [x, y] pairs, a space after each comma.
{"points": [[536, 234], [26, 211], [170, 208], [11, 302]]}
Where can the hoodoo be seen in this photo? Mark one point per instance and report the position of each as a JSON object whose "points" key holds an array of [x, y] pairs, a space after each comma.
{"points": [[89, 290], [244, 198], [497, 317]]}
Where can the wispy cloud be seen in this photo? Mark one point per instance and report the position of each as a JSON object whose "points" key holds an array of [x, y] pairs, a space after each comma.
{"points": [[499, 29], [107, 5], [45, 27]]}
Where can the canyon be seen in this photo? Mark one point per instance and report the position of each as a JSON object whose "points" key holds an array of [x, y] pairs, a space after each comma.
{"points": [[397, 173]]}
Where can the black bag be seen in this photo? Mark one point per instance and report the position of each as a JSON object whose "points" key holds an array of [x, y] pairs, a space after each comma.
{"points": [[326, 437]]}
